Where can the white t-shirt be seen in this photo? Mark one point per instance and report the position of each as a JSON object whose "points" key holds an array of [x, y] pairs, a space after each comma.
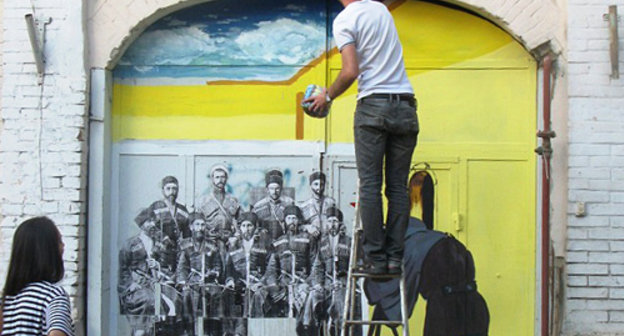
{"points": [[369, 25]]}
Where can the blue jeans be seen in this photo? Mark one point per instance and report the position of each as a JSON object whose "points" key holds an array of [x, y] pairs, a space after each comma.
{"points": [[385, 130]]}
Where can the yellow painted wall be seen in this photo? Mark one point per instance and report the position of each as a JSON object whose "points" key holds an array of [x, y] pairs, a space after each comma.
{"points": [[218, 110], [476, 89]]}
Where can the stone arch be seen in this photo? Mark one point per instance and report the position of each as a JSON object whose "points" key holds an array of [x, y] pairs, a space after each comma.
{"points": [[114, 24]]}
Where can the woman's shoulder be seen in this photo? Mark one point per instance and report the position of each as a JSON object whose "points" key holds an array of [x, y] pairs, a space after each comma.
{"points": [[44, 288]]}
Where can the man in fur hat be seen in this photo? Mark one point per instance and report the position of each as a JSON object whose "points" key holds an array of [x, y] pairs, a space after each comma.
{"points": [[245, 274], [292, 266], [172, 220], [200, 275], [334, 254], [313, 208], [138, 270], [270, 210]]}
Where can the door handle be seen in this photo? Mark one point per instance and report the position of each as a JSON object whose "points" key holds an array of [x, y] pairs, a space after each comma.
{"points": [[457, 222]]}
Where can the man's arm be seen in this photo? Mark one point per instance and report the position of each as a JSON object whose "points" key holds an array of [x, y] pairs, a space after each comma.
{"points": [[348, 74]]}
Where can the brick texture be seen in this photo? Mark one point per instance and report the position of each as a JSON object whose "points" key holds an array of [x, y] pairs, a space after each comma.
{"points": [[43, 132], [595, 258]]}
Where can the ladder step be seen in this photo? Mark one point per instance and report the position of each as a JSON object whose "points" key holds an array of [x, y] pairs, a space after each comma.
{"points": [[375, 276], [390, 323]]}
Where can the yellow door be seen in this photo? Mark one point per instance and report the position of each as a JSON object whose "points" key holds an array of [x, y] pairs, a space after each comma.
{"points": [[476, 91]]}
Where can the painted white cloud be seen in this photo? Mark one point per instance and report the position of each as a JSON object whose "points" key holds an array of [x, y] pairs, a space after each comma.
{"points": [[176, 46], [284, 41]]}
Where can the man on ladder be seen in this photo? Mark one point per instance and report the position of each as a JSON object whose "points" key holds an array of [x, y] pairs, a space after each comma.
{"points": [[385, 125], [385, 131]]}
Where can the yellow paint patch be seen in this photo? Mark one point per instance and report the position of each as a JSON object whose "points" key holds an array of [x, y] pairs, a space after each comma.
{"points": [[217, 111]]}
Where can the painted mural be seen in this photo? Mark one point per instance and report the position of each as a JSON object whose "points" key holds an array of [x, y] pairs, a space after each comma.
{"points": [[219, 84]]}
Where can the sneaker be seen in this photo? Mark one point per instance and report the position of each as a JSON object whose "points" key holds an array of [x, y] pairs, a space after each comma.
{"points": [[374, 269]]}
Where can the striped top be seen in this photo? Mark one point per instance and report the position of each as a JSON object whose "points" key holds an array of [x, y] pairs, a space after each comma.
{"points": [[36, 310]]}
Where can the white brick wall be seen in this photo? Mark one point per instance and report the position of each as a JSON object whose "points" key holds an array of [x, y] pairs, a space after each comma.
{"points": [[42, 143], [1, 123], [595, 248]]}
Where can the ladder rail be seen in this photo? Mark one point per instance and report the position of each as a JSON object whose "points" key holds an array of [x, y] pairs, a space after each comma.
{"points": [[352, 263], [348, 321]]}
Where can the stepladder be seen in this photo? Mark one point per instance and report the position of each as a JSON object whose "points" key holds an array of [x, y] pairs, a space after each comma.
{"points": [[352, 322]]}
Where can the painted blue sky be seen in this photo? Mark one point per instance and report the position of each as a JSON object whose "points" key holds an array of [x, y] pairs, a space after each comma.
{"points": [[231, 40]]}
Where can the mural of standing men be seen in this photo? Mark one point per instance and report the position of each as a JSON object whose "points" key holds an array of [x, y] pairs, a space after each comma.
{"points": [[270, 210], [199, 276], [219, 206], [291, 267], [138, 272], [313, 209], [247, 263], [209, 272]]}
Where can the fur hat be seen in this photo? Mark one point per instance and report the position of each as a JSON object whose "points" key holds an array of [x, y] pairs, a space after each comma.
{"points": [[168, 179], [274, 176], [248, 217], [334, 212], [195, 216], [316, 176], [293, 210]]}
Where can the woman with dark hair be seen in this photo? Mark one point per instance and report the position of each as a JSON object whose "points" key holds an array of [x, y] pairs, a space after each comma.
{"points": [[32, 303], [421, 197]]}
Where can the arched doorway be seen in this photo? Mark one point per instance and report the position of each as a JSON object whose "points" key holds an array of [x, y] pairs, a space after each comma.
{"points": [[218, 84]]}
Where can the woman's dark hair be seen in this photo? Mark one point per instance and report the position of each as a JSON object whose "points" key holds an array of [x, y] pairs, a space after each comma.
{"points": [[422, 191], [35, 256]]}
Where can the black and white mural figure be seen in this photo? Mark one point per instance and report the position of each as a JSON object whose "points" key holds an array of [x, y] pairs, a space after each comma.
{"points": [[270, 209], [291, 267], [246, 280], [200, 279], [138, 272], [313, 209], [334, 254], [172, 221], [220, 207]]}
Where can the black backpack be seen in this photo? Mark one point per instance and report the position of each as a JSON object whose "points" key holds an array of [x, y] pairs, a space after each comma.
{"points": [[454, 306], [447, 282]]}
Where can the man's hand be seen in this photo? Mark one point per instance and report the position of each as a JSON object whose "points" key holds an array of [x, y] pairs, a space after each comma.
{"points": [[348, 74], [318, 102]]}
